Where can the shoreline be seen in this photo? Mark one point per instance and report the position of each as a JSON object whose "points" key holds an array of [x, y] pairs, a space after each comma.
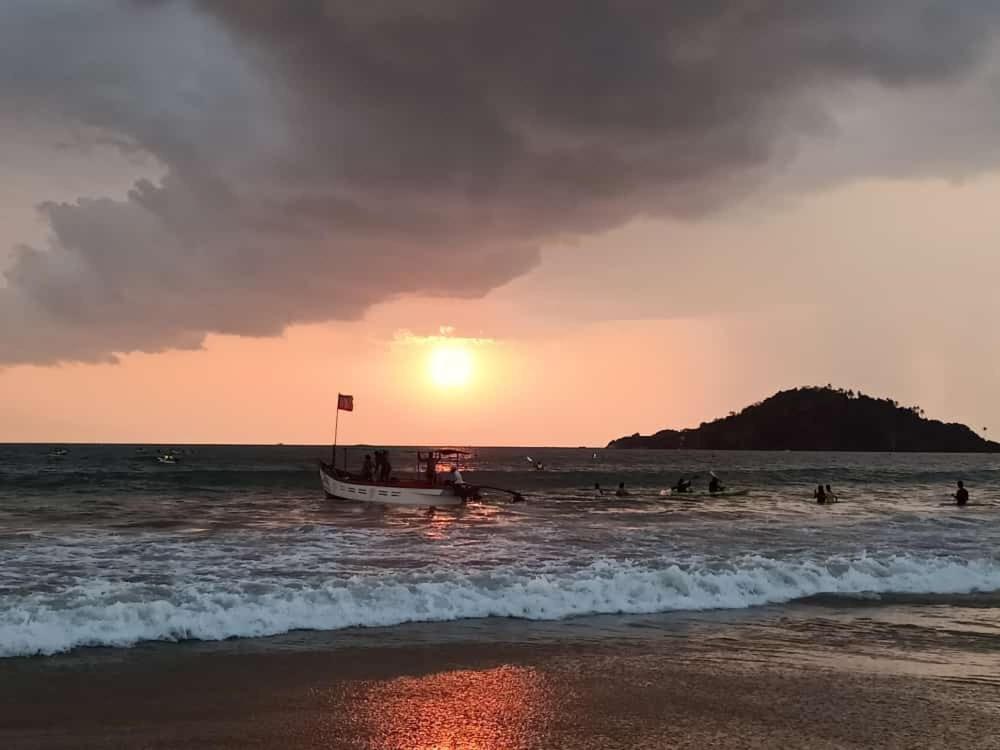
{"points": [[770, 681]]}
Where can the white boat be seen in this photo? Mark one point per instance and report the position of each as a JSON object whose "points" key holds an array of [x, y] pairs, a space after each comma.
{"points": [[425, 490], [423, 493], [430, 492], [340, 485]]}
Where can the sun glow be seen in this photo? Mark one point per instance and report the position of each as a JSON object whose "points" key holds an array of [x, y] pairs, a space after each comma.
{"points": [[450, 366]]}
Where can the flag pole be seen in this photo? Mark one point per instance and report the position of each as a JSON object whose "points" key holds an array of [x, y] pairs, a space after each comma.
{"points": [[336, 426]]}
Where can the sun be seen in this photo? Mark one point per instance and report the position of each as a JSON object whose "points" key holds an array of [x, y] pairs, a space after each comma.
{"points": [[450, 366]]}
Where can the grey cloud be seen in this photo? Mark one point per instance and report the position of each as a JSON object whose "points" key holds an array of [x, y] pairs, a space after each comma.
{"points": [[323, 156]]}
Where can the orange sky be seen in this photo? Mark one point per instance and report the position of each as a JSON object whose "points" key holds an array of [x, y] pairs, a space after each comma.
{"points": [[551, 368]]}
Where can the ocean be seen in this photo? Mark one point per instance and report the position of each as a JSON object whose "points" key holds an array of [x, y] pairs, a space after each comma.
{"points": [[104, 547]]}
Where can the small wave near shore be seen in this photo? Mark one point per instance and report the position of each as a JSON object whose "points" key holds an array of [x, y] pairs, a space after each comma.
{"points": [[120, 613]]}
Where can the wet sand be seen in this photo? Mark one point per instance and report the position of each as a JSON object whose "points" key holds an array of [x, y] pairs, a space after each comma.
{"points": [[723, 687]]}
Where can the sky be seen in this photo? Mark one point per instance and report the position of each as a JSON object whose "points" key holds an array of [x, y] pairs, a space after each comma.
{"points": [[493, 223]]}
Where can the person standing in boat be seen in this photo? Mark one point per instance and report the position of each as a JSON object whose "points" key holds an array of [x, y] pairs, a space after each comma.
{"points": [[386, 467], [430, 473], [367, 470], [820, 495]]}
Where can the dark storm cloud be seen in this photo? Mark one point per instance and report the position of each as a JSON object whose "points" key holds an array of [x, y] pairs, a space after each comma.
{"points": [[323, 156]]}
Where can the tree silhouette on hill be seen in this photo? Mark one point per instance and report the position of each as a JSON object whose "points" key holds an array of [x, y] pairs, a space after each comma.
{"points": [[821, 419]]}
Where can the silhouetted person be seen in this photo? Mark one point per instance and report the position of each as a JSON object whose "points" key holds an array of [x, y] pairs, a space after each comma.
{"points": [[367, 470], [430, 473], [820, 494], [378, 465], [386, 467], [597, 489], [683, 485], [830, 497], [715, 485], [962, 496], [454, 476], [621, 491]]}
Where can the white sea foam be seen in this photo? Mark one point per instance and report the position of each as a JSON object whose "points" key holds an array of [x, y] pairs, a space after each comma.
{"points": [[116, 613]]}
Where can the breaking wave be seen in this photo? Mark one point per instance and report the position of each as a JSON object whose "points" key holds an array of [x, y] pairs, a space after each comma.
{"points": [[119, 613]]}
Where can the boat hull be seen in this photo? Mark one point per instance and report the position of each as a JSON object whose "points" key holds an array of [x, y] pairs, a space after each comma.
{"points": [[410, 494]]}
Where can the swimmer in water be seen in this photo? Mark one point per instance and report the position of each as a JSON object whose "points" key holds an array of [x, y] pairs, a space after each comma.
{"points": [[962, 496]]}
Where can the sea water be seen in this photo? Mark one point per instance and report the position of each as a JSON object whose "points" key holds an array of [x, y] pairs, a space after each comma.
{"points": [[104, 546]]}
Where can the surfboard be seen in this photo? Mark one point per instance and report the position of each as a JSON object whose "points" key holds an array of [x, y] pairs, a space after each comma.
{"points": [[701, 495], [728, 493]]}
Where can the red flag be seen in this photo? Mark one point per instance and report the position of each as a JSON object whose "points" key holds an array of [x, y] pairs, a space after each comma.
{"points": [[345, 403]]}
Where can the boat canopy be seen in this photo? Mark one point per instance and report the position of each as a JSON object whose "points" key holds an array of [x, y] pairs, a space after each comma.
{"points": [[435, 456]]}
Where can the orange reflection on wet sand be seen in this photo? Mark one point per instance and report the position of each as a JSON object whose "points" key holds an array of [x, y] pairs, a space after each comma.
{"points": [[494, 709]]}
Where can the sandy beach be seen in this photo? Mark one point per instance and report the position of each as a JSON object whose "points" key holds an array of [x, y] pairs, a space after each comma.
{"points": [[722, 685]]}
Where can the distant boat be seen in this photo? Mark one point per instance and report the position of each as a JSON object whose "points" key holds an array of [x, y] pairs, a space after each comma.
{"points": [[167, 458], [58, 453]]}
